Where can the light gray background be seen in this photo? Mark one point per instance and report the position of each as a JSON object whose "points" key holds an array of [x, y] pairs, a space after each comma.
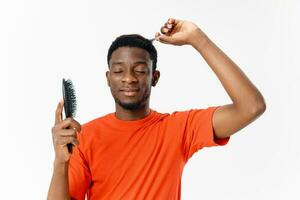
{"points": [[43, 41]]}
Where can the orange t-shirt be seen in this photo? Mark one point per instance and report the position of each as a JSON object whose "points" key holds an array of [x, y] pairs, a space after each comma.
{"points": [[141, 159]]}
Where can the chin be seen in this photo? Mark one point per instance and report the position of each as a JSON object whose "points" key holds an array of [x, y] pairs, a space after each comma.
{"points": [[130, 106], [131, 103]]}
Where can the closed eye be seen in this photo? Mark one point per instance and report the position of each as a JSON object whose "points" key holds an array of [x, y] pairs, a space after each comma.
{"points": [[141, 72]]}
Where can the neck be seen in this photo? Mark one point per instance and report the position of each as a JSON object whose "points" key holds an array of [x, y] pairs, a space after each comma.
{"points": [[129, 115]]}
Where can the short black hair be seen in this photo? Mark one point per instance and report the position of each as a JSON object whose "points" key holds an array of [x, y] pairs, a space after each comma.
{"points": [[134, 40]]}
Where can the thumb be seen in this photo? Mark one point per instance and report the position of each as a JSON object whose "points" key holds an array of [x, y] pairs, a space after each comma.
{"points": [[58, 112], [166, 39]]}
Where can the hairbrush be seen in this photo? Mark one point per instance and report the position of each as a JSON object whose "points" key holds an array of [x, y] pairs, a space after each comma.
{"points": [[152, 40], [70, 104]]}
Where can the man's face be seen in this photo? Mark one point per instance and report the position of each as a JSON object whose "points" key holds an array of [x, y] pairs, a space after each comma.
{"points": [[130, 77]]}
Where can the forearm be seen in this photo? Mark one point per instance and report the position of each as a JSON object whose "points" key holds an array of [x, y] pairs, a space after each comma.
{"points": [[59, 184], [242, 92]]}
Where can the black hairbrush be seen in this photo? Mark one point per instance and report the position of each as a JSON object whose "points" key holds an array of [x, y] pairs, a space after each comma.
{"points": [[70, 104]]}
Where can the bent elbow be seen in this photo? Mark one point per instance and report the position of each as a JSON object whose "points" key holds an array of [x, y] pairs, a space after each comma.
{"points": [[258, 109]]}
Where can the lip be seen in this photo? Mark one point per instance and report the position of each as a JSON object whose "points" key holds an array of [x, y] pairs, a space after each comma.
{"points": [[129, 91], [129, 94]]}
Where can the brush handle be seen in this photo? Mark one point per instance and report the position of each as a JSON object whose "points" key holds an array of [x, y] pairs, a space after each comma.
{"points": [[70, 147]]}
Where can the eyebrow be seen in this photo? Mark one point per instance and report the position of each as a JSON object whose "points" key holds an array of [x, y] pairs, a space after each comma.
{"points": [[137, 62]]}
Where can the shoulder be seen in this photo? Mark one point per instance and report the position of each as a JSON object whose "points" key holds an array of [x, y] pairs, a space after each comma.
{"points": [[192, 113], [94, 124], [90, 130], [97, 120]]}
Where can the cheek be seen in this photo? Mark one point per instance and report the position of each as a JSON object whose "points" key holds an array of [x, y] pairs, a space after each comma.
{"points": [[114, 89], [113, 83], [147, 87], [147, 80]]}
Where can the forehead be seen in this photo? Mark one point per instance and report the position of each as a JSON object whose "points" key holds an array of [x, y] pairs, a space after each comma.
{"points": [[133, 53]]}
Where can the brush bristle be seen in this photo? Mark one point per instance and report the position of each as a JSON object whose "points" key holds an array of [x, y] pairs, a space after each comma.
{"points": [[69, 96]]}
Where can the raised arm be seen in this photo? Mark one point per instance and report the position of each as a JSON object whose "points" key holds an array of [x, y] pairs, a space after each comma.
{"points": [[247, 102], [63, 132]]}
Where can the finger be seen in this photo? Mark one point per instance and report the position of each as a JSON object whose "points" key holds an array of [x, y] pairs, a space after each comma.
{"points": [[73, 141], [67, 132], [162, 41], [165, 39], [157, 34], [164, 30], [168, 25], [70, 123], [158, 39], [173, 21], [58, 112], [167, 28], [60, 140], [67, 140]]}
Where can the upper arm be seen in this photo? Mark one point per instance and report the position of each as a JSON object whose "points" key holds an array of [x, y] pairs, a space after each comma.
{"points": [[228, 119]]}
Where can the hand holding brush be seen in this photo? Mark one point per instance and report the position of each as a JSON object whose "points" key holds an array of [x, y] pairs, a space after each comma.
{"points": [[64, 130]]}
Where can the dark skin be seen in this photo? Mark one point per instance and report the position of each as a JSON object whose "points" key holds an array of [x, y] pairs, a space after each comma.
{"points": [[247, 102], [131, 70]]}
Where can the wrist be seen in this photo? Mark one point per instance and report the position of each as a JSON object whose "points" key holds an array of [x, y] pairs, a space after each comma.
{"points": [[60, 164], [198, 40]]}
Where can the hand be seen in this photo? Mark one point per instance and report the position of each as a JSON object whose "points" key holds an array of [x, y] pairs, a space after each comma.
{"points": [[63, 133], [179, 32]]}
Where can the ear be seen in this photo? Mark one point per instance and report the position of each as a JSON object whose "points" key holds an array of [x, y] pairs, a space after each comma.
{"points": [[155, 77], [107, 78]]}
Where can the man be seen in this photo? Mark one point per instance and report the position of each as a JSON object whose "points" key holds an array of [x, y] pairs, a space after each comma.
{"points": [[137, 152]]}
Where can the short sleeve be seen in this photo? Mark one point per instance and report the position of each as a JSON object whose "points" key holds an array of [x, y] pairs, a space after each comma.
{"points": [[197, 130], [78, 173]]}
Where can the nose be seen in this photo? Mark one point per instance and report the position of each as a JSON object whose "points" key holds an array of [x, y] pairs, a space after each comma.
{"points": [[129, 77]]}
